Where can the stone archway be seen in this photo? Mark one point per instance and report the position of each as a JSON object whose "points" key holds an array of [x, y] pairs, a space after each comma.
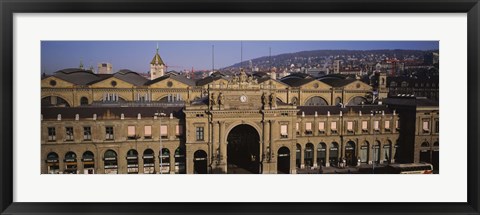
{"points": [[283, 161], [243, 150]]}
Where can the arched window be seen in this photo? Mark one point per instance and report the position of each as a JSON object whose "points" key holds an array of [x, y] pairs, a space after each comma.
{"points": [[180, 162], [364, 152], [110, 162], [164, 161], [83, 101], [298, 156], [333, 151], [387, 151], [316, 101], [338, 100], [308, 154], [425, 144], [52, 163], [358, 100], [88, 162], [321, 154], [54, 101], [376, 152], [350, 155], [70, 163], [200, 162], [148, 161], [132, 161]]}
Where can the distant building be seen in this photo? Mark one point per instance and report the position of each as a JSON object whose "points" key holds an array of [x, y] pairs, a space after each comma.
{"points": [[421, 87], [431, 58], [105, 68], [420, 128]]}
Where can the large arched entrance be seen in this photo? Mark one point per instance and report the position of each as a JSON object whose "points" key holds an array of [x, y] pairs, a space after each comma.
{"points": [[350, 154], [283, 165], [200, 162], [243, 150]]}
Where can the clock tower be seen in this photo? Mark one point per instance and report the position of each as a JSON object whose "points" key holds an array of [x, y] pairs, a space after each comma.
{"points": [[157, 67]]}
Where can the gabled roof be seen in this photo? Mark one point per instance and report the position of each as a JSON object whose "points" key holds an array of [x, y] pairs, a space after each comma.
{"points": [[267, 78], [76, 76], [179, 78], [336, 82], [296, 81], [207, 80], [130, 77]]}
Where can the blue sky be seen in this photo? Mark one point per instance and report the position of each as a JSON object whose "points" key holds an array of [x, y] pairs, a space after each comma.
{"points": [[136, 55]]}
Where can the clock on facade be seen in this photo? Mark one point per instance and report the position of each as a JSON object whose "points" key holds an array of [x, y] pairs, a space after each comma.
{"points": [[243, 98]]}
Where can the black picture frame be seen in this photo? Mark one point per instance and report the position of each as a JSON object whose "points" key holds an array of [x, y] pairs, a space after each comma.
{"points": [[10, 7]]}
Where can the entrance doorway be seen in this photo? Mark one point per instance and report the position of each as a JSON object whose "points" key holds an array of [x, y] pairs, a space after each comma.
{"points": [[200, 162], [350, 154], [283, 165], [243, 150]]}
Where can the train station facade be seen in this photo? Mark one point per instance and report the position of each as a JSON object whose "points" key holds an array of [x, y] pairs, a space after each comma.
{"points": [[126, 124]]}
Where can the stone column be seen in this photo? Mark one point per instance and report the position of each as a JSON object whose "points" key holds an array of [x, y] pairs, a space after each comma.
{"points": [[315, 155], [327, 155], [156, 164], [302, 156], [189, 161], [172, 161], [293, 166], [222, 143], [80, 168], [266, 134], [121, 163], [61, 163], [140, 164]]}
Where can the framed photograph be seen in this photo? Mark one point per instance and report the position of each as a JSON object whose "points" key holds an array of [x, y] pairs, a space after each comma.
{"points": [[191, 107]]}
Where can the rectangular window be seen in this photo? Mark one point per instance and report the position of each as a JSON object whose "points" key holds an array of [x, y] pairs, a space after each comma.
{"points": [[178, 131], [69, 133], [163, 131], [131, 132], [437, 126], [321, 127], [147, 132], [387, 125], [283, 131], [333, 127], [364, 126], [297, 128], [350, 127], [426, 127], [199, 133], [397, 125], [109, 133], [51, 134], [87, 133], [376, 125], [308, 128]]}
